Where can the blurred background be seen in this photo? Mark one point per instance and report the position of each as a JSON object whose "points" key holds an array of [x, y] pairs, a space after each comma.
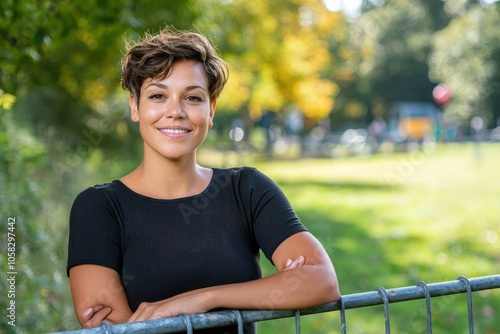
{"points": [[379, 119]]}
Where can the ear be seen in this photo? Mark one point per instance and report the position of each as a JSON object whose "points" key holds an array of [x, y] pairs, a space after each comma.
{"points": [[134, 109], [213, 105]]}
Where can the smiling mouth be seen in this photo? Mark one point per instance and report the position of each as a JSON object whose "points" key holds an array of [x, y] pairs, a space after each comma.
{"points": [[174, 131]]}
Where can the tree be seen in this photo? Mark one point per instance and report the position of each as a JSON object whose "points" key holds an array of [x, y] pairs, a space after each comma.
{"points": [[467, 58], [402, 49], [61, 58], [280, 53], [391, 44]]}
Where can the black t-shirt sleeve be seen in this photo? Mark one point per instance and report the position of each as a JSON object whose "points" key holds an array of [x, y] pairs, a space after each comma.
{"points": [[94, 230], [273, 218]]}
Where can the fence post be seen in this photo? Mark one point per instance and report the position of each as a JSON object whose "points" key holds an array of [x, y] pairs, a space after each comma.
{"points": [[466, 282], [427, 305], [385, 298]]}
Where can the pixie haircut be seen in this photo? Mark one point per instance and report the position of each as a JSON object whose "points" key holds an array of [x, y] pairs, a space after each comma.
{"points": [[154, 55]]}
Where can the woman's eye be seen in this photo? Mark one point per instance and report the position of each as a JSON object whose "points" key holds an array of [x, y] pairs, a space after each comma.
{"points": [[156, 97], [194, 99]]}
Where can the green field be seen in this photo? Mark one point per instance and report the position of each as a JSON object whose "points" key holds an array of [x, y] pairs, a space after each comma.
{"points": [[395, 220]]}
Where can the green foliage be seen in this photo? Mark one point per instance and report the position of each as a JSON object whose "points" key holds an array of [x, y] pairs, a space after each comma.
{"points": [[390, 47], [41, 292], [467, 58], [403, 49], [22, 44], [281, 53], [65, 78], [77, 44]]}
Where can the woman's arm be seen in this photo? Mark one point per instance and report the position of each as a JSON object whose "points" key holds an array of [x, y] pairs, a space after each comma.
{"points": [[95, 285], [308, 284]]}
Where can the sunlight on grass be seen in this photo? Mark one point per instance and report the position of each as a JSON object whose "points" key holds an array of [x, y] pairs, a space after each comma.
{"points": [[394, 220]]}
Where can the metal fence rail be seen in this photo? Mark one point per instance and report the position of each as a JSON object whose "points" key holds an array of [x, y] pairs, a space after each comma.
{"points": [[380, 296]]}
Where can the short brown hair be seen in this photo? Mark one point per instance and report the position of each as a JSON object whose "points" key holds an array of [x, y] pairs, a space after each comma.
{"points": [[154, 55]]}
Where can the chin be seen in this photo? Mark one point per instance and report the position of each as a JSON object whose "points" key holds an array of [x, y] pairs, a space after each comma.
{"points": [[176, 155]]}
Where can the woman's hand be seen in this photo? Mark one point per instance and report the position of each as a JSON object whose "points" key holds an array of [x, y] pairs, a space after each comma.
{"points": [[189, 303], [94, 316], [292, 264]]}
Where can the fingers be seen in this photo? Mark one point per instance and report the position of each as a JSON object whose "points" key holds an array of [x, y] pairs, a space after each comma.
{"points": [[87, 314], [292, 264], [142, 313], [150, 311], [94, 316]]}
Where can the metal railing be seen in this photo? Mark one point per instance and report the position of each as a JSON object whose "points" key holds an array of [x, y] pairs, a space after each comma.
{"points": [[421, 290]]}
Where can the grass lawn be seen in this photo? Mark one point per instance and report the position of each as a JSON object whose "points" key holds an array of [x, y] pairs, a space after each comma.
{"points": [[394, 220]]}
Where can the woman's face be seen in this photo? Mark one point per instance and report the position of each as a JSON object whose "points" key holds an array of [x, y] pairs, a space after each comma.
{"points": [[174, 113]]}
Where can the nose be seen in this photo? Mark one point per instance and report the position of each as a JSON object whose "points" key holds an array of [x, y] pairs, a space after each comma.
{"points": [[174, 109]]}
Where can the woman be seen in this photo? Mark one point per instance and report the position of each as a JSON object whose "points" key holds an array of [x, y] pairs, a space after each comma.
{"points": [[174, 237]]}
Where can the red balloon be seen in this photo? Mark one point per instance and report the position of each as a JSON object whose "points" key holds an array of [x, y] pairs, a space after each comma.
{"points": [[441, 94]]}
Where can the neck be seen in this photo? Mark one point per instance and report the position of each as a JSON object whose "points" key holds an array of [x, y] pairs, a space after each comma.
{"points": [[160, 169], [160, 177]]}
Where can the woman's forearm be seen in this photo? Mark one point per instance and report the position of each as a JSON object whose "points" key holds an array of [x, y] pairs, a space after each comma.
{"points": [[305, 286], [95, 286], [312, 282], [302, 287]]}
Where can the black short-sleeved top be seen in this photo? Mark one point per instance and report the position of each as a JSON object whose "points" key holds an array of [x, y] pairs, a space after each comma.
{"points": [[162, 248]]}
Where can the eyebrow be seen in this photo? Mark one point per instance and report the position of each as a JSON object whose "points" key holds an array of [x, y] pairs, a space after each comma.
{"points": [[163, 86]]}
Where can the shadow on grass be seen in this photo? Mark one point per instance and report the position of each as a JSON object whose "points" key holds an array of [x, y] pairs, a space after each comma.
{"points": [[355, 253]]}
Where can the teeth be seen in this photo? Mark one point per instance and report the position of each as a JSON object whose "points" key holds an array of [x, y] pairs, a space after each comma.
{"points": [[173, 130]]}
